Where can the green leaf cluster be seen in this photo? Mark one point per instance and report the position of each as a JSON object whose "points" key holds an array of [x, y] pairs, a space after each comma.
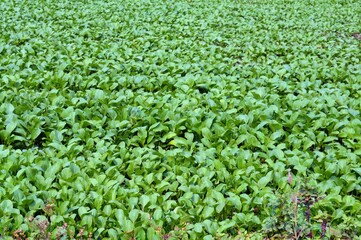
{"points": [[153, 119]]}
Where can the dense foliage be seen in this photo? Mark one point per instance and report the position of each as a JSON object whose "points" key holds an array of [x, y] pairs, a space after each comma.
{"points": [[180, 119]]}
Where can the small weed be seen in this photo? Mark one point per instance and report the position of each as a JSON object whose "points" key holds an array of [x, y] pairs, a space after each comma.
{"points": [[292, 213]]}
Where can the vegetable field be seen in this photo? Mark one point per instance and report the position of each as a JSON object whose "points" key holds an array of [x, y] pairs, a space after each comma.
{"points": [[180, 119]]}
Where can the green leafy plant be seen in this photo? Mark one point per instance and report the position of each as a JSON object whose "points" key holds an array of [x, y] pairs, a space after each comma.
{"points": [[179, 119]]}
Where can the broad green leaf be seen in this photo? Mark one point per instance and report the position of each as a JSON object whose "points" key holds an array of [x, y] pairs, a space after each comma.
{"points": [[265, 180], [152, 234], [278, 153], [113, 234], [119, 215], [83, 210], [133, 215], [127, 226], [220, 207], [107, 210], [140, 233], [35, 133], [198, 227], [6, 205], [87, 220], [207, 211], [157, 214], [226, 225], [11, 126], [206, 133], [144, 200], [18, 195], [178, 141], [308, 144]]}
